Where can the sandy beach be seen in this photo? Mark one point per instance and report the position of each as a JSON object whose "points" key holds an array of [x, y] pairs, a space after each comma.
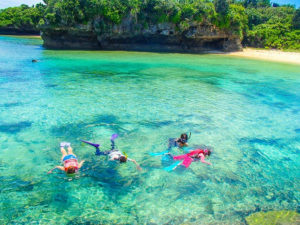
{"points": [[270, 55], [24, 36]]}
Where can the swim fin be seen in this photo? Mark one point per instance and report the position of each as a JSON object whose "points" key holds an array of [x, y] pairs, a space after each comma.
{"points": [[65, 144], [95, 145], [172, 167], [92, 144], [114, 136]]}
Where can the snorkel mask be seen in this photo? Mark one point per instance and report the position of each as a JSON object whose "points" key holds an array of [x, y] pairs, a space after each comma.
{"points": [[184, 140]]}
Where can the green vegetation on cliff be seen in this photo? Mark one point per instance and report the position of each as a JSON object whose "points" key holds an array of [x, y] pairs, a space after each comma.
{"points": [[273, 27], [257, 22], [22, 19], [147, 12]]}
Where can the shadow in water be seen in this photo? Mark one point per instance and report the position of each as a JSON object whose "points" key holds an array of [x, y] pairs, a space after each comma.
{"points": [[51, 85], [80, 129], [12, 128]]}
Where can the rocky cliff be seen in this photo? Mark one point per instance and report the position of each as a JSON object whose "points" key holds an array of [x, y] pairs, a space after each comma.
{"points": [[129, 35], [18, 31]]}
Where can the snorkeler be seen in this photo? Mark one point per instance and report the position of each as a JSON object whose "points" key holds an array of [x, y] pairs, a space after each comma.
{"points": [[189, 158], [174, 142], [69, 160], [113, 154], [179, 142]]}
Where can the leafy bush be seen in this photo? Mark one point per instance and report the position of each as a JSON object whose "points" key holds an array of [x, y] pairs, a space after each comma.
{"points": [[273, 27], [23, 17]]}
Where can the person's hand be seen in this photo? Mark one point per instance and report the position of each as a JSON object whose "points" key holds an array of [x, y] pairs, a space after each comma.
{"points": [[49, 172], [80, 164]]}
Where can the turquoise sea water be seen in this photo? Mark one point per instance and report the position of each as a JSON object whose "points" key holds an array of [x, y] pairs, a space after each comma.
{"points": [[248, 111]]}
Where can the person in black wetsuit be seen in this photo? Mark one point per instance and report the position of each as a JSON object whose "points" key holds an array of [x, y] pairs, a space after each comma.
{"points": [[178, 142]]}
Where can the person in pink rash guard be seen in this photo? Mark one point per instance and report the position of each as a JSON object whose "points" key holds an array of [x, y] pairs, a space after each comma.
{"points": [[192, 156]]}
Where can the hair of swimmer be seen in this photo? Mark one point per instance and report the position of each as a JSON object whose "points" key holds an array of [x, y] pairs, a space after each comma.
{"points": [[208, 152], [71, 170], [183, 138], [123, 159]]}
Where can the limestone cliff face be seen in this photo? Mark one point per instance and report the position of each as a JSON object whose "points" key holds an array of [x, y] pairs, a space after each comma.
{"points": [[129, 35], [18, 31]]}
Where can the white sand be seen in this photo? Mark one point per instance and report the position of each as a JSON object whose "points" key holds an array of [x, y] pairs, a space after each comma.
{"points": [[270, 55]]}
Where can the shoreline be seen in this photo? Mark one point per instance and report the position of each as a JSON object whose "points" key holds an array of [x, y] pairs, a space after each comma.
{"points": [[22, 35], [250, 53], [268, 55]]}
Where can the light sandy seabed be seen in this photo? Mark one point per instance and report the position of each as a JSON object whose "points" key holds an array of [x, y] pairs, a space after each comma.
{"points": [[271, 55]]}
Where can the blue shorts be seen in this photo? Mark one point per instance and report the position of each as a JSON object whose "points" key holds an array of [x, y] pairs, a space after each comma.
{"points": [[69, 157]]}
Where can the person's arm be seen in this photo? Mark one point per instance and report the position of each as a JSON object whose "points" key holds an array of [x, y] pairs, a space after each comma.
{"points": [[202, 157], [57, 167], [80, 164], [136, 164]]}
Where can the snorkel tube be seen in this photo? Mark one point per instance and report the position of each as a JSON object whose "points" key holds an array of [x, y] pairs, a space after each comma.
{"points": [[95, 145]]}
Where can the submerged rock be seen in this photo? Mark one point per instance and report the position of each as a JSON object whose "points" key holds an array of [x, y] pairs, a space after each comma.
{"points": [[12, 128], [283, 217]]}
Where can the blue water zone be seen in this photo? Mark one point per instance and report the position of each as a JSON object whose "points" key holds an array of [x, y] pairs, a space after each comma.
{"points": [[247, 111]]}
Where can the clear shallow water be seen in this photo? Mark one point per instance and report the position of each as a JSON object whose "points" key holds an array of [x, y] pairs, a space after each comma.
{"points": [[247, 110]]}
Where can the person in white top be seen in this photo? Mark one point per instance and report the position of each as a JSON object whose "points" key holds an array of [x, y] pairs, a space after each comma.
{"points": [[113, 154]]}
